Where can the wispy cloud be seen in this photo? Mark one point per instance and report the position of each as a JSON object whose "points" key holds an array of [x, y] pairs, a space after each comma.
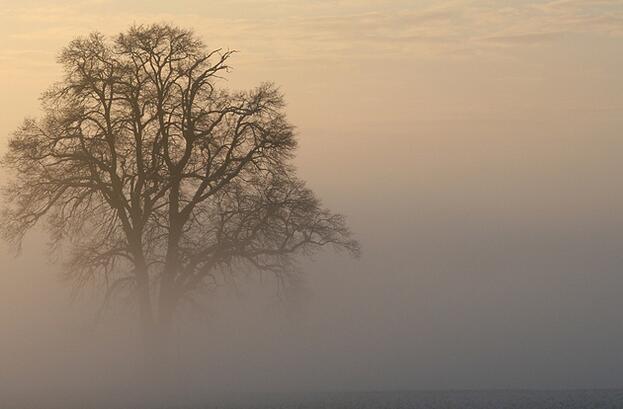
{"points": [[321, 30], [525, 38]]}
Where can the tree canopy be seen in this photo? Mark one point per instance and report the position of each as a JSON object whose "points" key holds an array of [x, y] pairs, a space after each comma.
{"points": [[154, 179]]}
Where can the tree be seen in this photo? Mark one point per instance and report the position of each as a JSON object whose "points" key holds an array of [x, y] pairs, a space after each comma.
{"points": [[152, 179]]}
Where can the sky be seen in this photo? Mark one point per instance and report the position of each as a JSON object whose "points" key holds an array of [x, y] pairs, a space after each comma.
{"points": [[475, 148]]}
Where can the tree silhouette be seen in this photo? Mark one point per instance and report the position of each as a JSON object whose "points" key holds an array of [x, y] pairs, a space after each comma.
{"points": [[153, 180]]}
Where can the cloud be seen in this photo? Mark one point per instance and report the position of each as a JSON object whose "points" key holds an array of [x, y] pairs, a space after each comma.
{"points": [[577, 4], [322, 30], [525, 38]]}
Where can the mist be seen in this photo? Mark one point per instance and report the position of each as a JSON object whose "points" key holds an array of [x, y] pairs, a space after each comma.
{"points": [[480, 177]]}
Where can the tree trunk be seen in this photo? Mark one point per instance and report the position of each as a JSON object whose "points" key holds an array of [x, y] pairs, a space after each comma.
{"points": [[161, 364]]}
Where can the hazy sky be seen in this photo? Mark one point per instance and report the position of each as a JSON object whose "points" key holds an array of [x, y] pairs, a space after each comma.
{"points": [[476, 148]]}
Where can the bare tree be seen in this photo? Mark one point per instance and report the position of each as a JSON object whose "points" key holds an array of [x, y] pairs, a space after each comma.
{"points": [[156, 180]]}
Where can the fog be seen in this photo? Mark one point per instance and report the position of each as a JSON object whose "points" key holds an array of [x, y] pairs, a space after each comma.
{"points": [[481, 181]]}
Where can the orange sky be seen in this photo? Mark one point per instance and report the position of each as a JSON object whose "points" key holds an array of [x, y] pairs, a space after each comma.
{"points": [[475, 147]]}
